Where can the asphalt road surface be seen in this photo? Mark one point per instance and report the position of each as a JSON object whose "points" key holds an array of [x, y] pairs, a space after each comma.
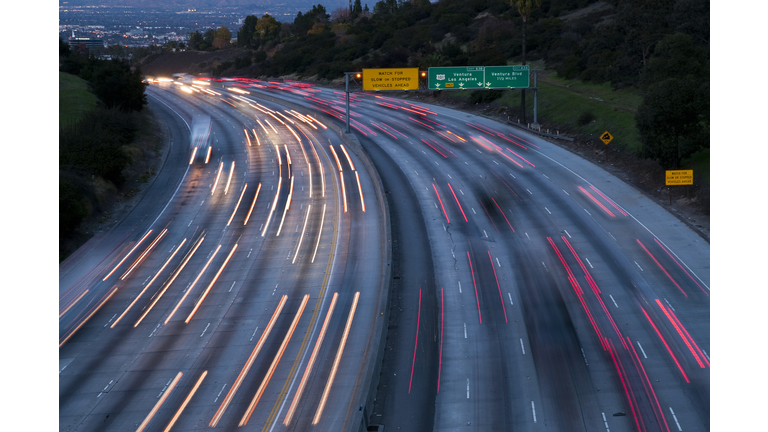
{"points": [[527, 289]]}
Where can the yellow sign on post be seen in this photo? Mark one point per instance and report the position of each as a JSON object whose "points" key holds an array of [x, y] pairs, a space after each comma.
{"points": [[679, 177], [391, 79], [606, 137]]}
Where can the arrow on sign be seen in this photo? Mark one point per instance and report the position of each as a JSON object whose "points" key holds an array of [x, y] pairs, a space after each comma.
{"points": [[461, 84]]}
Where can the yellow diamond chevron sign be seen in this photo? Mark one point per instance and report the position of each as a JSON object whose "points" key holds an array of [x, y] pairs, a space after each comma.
{"points": [[606, 137], [391, 79]]}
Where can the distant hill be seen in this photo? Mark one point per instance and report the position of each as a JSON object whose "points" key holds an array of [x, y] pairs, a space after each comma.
{"points": [[207, 4]]}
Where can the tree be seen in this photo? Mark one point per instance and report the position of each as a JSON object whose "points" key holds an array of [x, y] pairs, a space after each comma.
{"points": [[357, 9], [247, 33], [524, 8], [195, 40], [221, 37], [673, 119], [267, 29]]}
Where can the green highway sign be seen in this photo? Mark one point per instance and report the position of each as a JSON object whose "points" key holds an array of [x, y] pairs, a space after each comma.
{"points": [[506, 76], [472, 77], [477, 77]]}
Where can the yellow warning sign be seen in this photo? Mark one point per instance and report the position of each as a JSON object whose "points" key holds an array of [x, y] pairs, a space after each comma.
{"points": [[390, 79], [606, 137], [679, 177]]}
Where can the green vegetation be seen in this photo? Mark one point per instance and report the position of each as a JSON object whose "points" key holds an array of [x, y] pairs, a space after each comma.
{"points": [[97, 130], [74, 98]]}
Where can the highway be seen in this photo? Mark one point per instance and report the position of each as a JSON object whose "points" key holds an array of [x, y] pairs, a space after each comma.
{"points": [[525, 289], [205, 305]]}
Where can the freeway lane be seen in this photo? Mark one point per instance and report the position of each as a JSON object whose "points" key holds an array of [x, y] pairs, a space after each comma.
{"points": [[191, 320], [562, 298]]}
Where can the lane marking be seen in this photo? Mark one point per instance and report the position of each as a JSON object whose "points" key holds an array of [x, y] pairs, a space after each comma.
{"points": [[606, 423], [533, 409], [614, 301], [641, 349], [522, 346], [675, 417], [510, 299], [590, 264]]}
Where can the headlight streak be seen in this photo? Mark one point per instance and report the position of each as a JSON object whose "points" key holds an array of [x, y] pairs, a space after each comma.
{"points": [[262, 126], [238, 204], [287, 206], [288, 159], [360, 188], [88, 317], [338, 163], [258, 141], [274, 203], [343, 190], [126, 256], [194, 152], [247, 137], [189, 290], [218, 174], [283, 116], [275, 361], [144, 254], [73, 303], [347, 155], [309, 167], [252, 204], [168, 284], [311, 362], [228, 102], [243, 372], [231, 170], [149, 284], [279, 159], [336, 361], [270, 125], [159, 403], [319, 234], [294, 133], [301, 237], [210, 285], [208, 154], [186, 401], [315, 120]]}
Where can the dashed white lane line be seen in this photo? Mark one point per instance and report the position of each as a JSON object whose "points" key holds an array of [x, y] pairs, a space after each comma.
{"points": [[533, 409], [590, 264], [522, 346], [510, 299], [614, 301], [638, 266], [641, 349], [675, 417], [465, 330], [606, 423]]}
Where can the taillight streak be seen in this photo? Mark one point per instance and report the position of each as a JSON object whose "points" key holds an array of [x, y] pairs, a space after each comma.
{"points": [[502, 213], [661, 267], [683, 334], [501, 297], [579, 293], [648, 386], [433, 148], [610, 201], [479, 314], [441, 203], [526, 160], [457, 202], [605, 209], [681, 267], [666, 345]]}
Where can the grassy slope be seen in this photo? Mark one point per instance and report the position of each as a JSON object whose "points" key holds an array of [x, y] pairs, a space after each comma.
{"points": [[561, 102], [74, 98]]}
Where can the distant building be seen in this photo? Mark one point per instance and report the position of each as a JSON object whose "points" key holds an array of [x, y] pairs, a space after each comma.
{"points": [[94, 45]]}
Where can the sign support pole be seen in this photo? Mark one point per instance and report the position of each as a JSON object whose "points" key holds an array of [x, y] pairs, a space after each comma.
{"points": [[346, 77], [535, 96]]}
